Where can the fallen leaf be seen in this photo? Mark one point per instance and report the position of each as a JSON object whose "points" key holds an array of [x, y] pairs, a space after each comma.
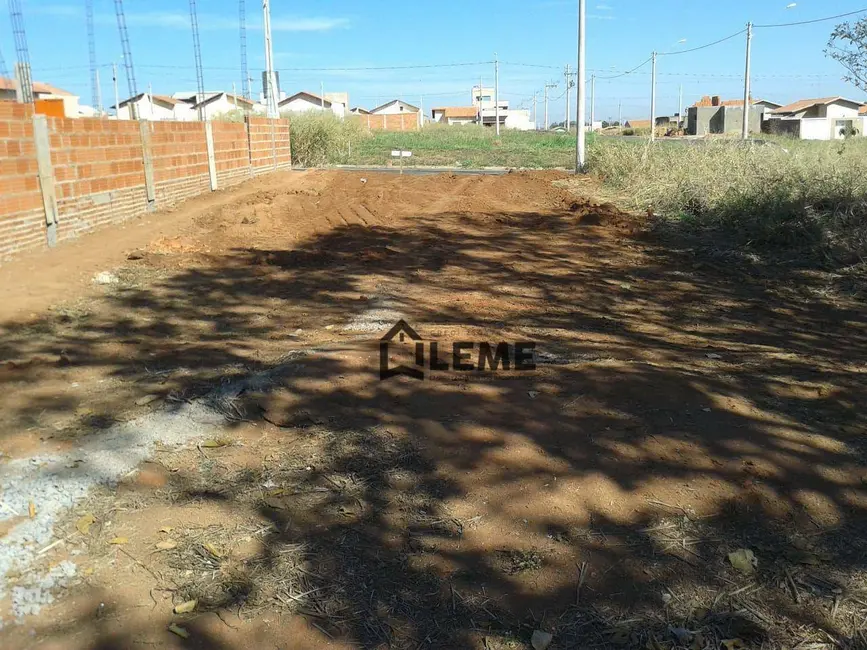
{"points": [[31, 508], [541, 640], [733, 644], [119, 541], [166, 529], [84, 523], [214, 444], [180, 631], [147, 399], [186, 608], [167, 544], [533, 394], [277, 504], [213, 550], [744, 560]]}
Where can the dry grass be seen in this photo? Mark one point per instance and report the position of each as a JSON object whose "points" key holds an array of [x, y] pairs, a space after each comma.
{"points": [[809, 197]]}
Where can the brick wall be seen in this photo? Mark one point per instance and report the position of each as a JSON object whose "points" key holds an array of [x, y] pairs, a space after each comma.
{"points": [[22, 216], [397, 122], [99, 168], [263, 155]]}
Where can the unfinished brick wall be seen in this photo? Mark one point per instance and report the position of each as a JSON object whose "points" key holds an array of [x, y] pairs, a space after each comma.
{"points": [[397, 122], [265, 156], [98, 173], [99, 168], [22, 216], [231, 153], [180, 159]]}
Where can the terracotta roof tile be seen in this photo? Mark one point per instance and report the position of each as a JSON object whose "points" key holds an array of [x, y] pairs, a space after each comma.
{"points": [[804, 104], [458, 111]]}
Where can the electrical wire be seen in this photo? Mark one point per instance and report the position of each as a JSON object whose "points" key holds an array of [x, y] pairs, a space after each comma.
{"points": [[639, 66], [703, 47], [810, 22]]}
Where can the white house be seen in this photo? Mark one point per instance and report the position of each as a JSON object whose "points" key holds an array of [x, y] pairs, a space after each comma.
{"points": [[455, 115], [828, 118], [394, 107], [154, 108], [304, 101], [223, 103], [42, 90]]}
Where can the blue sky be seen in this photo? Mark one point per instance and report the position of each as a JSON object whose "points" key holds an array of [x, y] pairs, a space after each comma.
{"points": [[788, 63]]}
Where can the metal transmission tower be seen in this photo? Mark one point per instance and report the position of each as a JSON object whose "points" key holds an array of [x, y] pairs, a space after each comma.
{"points": [[242, 24], [197, 53], [96, 97], [127, 55], [3, 71], [270, 85], [22, 67]]}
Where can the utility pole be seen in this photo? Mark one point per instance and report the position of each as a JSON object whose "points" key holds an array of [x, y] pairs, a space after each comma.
{"points": [[680, 106], [234, 96], [535, 116], [481, 114], [151, 100], [620, 114], [421, 111], [580, 141], [322, 94], [592, 100], [98, 92], [547, 86], [271, 89], [746, 131], [653, 100], [116, 95], [566, 75], [497, 92]]}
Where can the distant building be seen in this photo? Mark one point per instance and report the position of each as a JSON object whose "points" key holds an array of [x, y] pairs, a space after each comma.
{"points": [[44, 92], [716, 116], [304, 102], [827, 118], [455, 115], [637, 124], [359, 111], [223, 103], [394, 107], [154, 108]]}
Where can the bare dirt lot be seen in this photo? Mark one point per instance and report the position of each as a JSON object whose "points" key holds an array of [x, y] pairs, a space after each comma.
{"points": [[682, 410]]}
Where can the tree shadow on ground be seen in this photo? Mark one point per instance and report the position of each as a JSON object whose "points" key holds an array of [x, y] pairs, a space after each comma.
{"points": [[680, 412]]}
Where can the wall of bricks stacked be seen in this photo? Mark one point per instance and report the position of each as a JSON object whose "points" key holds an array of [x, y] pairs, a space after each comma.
{"points": [[231, 155], [99, 169], [263, 155], [98, 175], [22, 216], [397, 122], [180, 160]]}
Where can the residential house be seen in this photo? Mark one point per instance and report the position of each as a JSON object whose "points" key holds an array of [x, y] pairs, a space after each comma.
{"points": [[48, 99], [827, 118], [716, 116], [489, 106], [359, 111], [223, 103], [304, 102], [636, 124], [455, 115], [394, 107], [155, 108]]}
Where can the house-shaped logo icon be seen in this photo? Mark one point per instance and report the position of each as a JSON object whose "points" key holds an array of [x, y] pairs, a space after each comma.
{"points": [[399, 334]]}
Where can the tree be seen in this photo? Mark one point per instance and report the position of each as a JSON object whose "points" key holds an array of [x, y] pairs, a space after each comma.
{"points": [[848, 46]]}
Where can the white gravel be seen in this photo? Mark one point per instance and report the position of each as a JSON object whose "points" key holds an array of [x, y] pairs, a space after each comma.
{"points": [[55, 483]]}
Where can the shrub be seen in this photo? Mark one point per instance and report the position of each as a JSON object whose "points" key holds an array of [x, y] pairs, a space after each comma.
{"points": [[319, 138], [806, 195]]}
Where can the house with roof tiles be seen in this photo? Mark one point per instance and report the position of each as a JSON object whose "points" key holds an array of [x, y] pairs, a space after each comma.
{"points": [[825, 118]]}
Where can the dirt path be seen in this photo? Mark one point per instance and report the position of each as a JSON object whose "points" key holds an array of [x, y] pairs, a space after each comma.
{"points": [[680, 411]]}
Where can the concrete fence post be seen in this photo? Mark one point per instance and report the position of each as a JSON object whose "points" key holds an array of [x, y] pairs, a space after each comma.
{"points": [[147, 157], [45, 171], [249, 145], [212, 165]]}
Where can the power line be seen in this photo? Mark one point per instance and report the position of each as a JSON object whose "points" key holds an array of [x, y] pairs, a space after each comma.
{"points": [[639, 66], [810, 22], [703, 47]]}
